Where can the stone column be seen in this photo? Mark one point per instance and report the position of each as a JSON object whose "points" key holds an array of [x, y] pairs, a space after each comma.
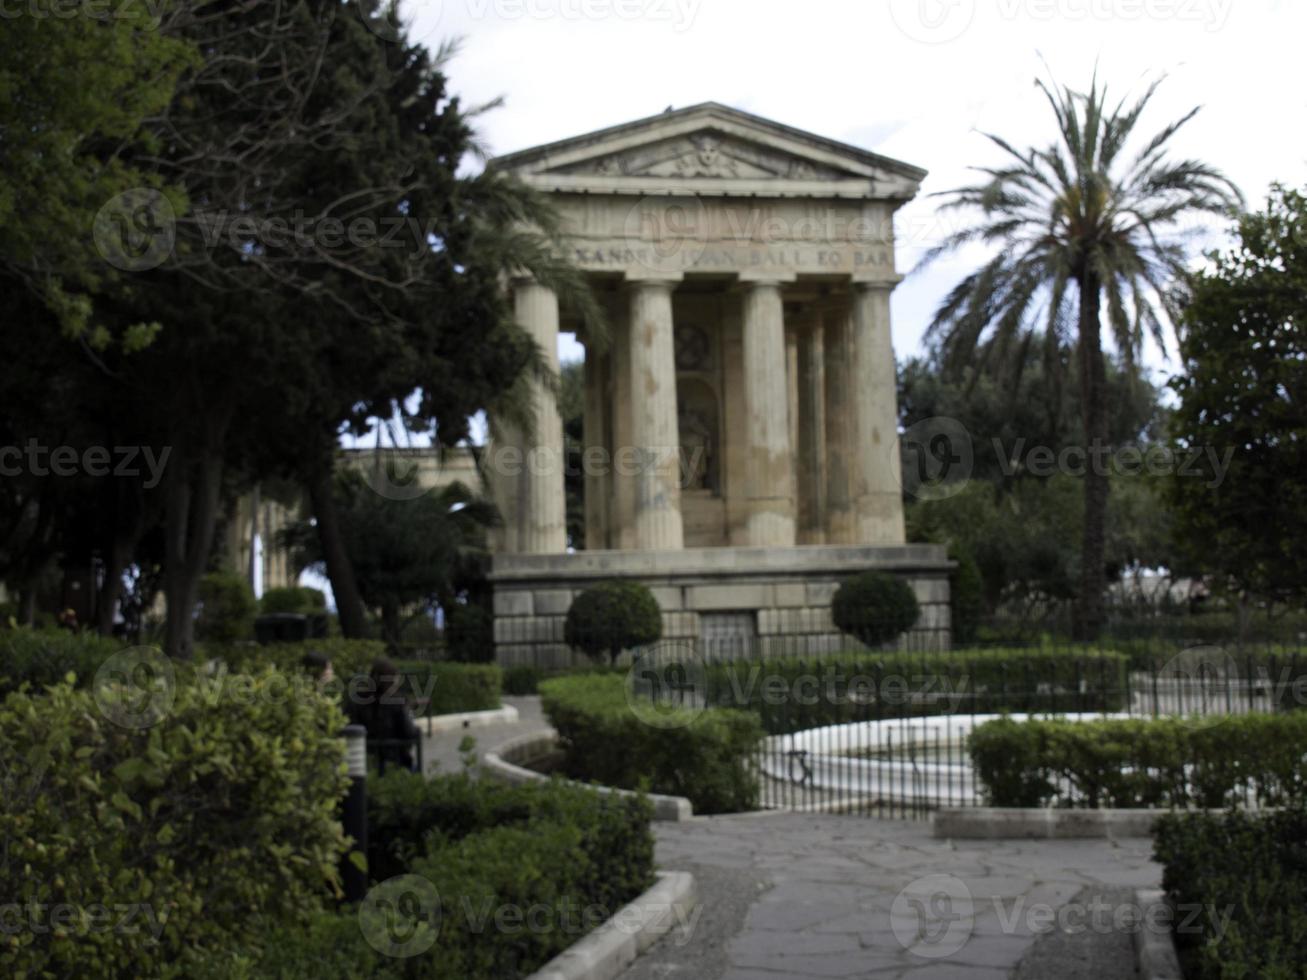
{"points": [[841, 527], [654, 429], [537, 501], [877, 485], [770, 475], [594, 462], [810, 447]]}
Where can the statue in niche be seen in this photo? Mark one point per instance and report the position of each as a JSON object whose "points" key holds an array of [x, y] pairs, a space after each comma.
{"points": [[697, 421]]}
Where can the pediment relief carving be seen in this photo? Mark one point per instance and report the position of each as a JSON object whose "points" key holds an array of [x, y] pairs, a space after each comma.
{"points": [[705, 154]]}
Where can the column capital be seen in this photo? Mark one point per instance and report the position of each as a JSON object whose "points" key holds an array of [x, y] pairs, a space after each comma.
{"points": [[767, 278], [668, 280], [879, 282]]}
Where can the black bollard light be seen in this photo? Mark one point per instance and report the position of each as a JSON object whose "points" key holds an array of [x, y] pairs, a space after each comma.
{"points": [[354, 816]]}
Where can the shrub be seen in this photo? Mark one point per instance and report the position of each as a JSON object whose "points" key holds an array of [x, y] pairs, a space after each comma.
{"points": [[1249, 867], [874, 607], [483, 846], [348, 657], [227, 608], [293, 599], [611, 617], [1157, 762], [707, 759], [470, 634], [790, 694], [44, 657], [526, 678], [220, 821], [453, 688], [967, 592]]}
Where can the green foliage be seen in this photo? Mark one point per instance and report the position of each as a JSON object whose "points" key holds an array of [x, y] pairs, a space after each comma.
{"points": [[1159, 762], [1244, 355], [604, 740], [967, 594], [790, 694], [227, 608], [874, 607], [526, 678], [219, 822], [1248, 875], [454, 688], [293, 599], [470, 633], [45, 657], [572, 854], [348, 657], [611, 617]]}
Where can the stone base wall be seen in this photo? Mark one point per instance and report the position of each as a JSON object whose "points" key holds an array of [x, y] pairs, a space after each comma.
{"points": [[784, 595]]}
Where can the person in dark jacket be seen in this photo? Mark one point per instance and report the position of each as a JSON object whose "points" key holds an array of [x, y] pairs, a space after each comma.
{"points": [[385, 713]]}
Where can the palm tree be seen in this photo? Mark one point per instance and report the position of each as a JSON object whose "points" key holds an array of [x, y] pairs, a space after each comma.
{"points": [[1079, 225]]}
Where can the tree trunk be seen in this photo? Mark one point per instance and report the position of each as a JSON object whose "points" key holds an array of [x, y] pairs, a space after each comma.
{"points": [[1093, 396], [191, 514], [349, 604]]}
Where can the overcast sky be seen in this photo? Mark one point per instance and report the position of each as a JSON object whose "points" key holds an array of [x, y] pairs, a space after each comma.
{"points": [[918, 80]]}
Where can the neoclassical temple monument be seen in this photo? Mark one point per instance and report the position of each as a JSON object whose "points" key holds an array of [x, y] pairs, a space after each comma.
{"points": [[741, 450]]}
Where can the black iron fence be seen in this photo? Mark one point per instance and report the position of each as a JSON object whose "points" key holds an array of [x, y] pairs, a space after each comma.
{"points": [[889, 732]]}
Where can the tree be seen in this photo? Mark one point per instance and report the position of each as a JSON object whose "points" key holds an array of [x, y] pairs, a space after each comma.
{"points": [[76, 85], [405, 554], [611, 617], [1079, 227], [571, 406], [1242, 395], [874, 607]]}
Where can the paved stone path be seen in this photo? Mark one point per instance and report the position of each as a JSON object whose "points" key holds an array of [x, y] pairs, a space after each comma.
{"points": [[789, 896], [849, 897]]}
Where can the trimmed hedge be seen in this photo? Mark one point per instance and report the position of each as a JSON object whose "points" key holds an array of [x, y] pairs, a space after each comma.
{"points": [[453, 688], [566, 856], [212, 827], [44, 657], [292, 599], [525, 679], [790, 694], [348, 657], [874, 607], [1249, 867], [611, 617], [1158, 762], [706, 759]]}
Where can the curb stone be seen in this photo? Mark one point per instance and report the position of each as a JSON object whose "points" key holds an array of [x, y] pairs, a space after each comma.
{"points": [[498, 765], [1155, 956], [431, 725], [610, 949]]}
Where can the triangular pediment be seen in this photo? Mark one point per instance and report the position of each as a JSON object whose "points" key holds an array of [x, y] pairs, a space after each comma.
{"points": [[712, 149]]}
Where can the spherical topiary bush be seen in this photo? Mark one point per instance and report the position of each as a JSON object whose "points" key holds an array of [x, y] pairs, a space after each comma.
{"points": [[227, 608], [611, 617], [875, 607]]}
